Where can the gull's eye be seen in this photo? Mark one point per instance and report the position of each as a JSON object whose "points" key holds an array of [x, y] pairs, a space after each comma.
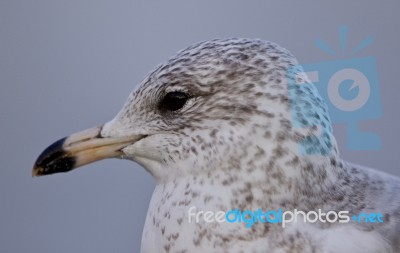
{"points": [[173, 101]]}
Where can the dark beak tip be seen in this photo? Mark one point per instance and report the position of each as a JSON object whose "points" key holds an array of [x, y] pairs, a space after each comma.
{"points": [[51, 152], [53, 160]]}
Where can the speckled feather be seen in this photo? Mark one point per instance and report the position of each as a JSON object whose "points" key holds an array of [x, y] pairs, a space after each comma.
{"points": [[233, 145]]}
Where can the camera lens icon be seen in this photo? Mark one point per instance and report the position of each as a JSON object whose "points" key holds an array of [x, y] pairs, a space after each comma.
{"points": [[359, 80], [350, 89]]}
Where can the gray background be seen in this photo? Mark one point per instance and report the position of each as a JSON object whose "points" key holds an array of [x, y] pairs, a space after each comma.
{"points": [[69, 65]]}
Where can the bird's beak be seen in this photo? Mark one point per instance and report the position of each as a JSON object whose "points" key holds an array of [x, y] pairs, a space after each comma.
{"points": [[79, 149]]}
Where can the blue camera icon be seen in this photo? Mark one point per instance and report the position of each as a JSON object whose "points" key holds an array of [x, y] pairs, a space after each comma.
{"points": [[350, 90]]}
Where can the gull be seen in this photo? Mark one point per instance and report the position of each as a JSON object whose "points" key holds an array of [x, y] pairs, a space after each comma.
{"points": [[216, 125]]}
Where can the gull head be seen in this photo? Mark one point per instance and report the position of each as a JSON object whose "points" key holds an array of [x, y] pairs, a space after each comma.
{"points": [[214, 106]]}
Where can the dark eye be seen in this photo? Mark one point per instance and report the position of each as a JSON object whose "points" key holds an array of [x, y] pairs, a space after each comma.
{"points": [[174, 101]]}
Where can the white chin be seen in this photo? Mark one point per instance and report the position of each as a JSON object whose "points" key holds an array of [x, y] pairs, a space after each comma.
{"points": [[146, 156]]}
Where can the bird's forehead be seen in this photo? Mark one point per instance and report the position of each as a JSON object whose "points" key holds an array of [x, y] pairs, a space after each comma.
{"points": [[214, 64]]}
